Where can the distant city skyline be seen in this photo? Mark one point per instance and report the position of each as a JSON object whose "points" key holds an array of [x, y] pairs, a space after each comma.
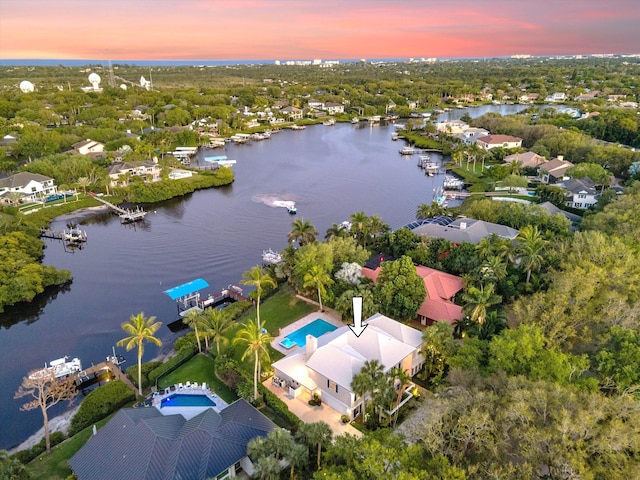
{"points": [[313, 29]]}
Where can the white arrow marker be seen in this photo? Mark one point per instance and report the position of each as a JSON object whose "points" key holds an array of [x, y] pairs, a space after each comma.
{"points": [[357, 326]]}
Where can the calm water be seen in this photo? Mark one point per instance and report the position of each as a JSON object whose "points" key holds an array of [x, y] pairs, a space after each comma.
{"points": [[217, 234]]}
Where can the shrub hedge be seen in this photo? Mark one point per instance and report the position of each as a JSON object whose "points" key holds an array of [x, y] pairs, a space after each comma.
{"points": [[132, 373], [170, 365], [99, 403]]}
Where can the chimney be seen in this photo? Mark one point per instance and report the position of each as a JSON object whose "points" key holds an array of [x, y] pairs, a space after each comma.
{"points": [[311, 345], [463, 225], [560, 157]]}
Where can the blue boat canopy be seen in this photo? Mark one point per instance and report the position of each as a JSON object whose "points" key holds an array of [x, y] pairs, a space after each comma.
{"points": [[186, 288], [215, 159]]}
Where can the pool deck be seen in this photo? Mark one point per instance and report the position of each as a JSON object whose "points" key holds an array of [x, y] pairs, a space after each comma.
{"points": [[186, 389], [327, 316]]}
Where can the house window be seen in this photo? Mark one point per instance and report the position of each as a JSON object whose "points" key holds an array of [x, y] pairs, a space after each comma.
{"points": [[331, 385], [582, 196], [577, 205]]}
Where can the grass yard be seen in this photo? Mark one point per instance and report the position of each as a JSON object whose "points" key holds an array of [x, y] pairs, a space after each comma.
{"points": [[199, 369], [55, 466]]}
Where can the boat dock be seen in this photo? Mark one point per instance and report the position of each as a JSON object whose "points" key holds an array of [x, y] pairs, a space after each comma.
{"points": [[102, 372], [187, 297], [73, 235], [126, 215]]}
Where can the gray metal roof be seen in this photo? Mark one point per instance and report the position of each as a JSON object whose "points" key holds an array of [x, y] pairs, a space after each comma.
{"points": [[141, 443]]}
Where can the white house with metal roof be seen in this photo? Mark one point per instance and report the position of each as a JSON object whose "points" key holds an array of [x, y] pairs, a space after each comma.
{"points": [[31, 186], [326, 365]]}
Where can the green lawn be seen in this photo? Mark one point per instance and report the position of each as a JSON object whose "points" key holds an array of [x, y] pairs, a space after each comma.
{"points": [[279, 310], [199, 369], [55, 466]]}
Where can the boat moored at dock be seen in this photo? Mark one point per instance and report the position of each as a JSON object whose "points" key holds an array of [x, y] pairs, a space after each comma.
{"points": [[60, 367]]}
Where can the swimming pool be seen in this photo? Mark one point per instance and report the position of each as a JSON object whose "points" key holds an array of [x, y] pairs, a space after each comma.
{"points": [[180, 400], [317, 328]]}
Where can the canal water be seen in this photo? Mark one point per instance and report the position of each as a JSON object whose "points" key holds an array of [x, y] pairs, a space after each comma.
{"points": [[215, 234]]}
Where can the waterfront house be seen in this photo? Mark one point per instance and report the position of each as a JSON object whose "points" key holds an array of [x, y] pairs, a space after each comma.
{"points": [[528, 97], [315, 104], [145, 444], [325, 366], [120, 173], [494, 141], [334, 108], [292, 113], [554, 170], [470, 135], [28, 186], [582, 192]]}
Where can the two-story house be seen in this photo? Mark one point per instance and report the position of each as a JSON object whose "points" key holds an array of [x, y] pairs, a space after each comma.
{"points": [[293, 113], [582, 192], [554, 170], [326, 365], [525, 160], [120, 173], [333, 108], [29, 186]]}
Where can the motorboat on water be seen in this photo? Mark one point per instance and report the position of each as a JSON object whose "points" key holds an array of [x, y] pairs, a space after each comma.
{"points": [[60, 367], [407, 150]]}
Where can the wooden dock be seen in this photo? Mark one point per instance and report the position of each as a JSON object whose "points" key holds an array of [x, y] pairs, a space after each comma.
{"points": [[73, 235], [126, 215], [102, 372]]}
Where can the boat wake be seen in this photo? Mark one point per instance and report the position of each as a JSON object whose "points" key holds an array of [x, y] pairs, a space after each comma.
{"points": [[275, 200]]}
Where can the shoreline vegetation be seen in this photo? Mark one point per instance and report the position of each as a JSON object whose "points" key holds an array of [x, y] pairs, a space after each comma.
{"points": [[23, 239]]}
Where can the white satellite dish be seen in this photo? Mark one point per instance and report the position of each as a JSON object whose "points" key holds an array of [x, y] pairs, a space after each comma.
{"points": [[26, 86], [94, 80], [123, 86]]}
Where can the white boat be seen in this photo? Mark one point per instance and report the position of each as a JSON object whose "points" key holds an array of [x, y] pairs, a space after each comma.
{"points": [[75, 235], [329, 123], [355, 120], [407, 150], [394, 136], [216, 143], [297, 127], [59, 367], [220, 160], [453, 183], [269, 257]]}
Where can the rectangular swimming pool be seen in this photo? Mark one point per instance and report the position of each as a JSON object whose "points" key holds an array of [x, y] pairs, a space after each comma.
{"points": [[179, 400], [317, 328]]}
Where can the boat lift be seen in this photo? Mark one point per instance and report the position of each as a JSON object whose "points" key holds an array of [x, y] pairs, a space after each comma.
{"points": [[187, 295]]}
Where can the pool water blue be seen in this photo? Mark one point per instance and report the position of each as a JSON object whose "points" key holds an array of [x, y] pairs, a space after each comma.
{"points": [[317, 328], [179, 400]]}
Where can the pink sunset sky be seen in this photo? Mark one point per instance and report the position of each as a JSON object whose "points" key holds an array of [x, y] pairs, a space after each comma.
{"points": [[308, 29]]}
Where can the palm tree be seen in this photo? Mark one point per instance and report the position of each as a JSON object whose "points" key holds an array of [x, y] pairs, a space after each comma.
{"points": [[303, 232], [360, 227], [140, 330], [493, 269], [399, 379], [215, 325], [267, 468], [429, 211], [191, 319], [315, 434], [479, 300], [296, 455], [377, 226], [256, 340], [530, 250], [335, 231], [261, 281], [318, 278], [367, 380], [84, 182]]}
